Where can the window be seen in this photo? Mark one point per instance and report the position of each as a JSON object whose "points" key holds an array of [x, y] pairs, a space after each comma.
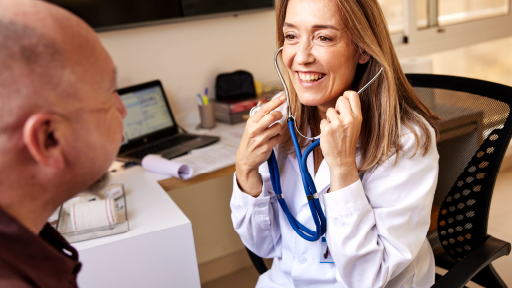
{"points": [[420, 27], [393, 11], [460, 11]]}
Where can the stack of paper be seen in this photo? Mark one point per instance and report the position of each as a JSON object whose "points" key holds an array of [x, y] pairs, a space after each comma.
{"points": [[209, 159]]}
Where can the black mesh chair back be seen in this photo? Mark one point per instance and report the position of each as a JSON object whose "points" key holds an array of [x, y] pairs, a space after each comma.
{"points": [[475, 129]]}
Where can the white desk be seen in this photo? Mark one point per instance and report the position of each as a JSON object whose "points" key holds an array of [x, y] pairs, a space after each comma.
{"points": [[158, 251]]}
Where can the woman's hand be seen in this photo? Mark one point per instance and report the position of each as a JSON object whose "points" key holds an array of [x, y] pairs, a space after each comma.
{"points": [[338, 139], [257, 143]]}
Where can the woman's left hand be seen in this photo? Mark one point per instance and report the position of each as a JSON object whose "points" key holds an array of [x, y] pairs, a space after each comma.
{"points": [[338, 139]]}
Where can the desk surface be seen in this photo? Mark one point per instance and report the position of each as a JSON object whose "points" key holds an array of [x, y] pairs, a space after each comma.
{"points": [[229, 136], [142, 191]]}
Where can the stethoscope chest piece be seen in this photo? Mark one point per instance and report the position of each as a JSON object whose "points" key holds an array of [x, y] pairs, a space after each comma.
{"points": [[255, 109]]}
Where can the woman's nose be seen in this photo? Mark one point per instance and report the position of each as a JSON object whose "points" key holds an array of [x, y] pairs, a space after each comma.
{"points": [[304, 54]]}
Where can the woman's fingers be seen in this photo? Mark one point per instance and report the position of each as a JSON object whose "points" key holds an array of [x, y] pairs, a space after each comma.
{"points": [[347, 115], [354, 101], [323, 124], [269, 107], [343, 106], [274, 140], [332, 116], [268, 119], [258, 138], [271, 132], [261, 138]]}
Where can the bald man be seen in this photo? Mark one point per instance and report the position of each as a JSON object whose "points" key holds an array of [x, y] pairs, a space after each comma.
{"points": [[60, 129]]}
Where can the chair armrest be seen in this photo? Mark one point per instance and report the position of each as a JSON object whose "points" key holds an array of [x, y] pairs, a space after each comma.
{"points": [[257, 261], [475, 261]]}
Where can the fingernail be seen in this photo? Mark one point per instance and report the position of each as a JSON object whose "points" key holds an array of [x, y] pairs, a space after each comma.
{"points": [[282, 98], [259, 103]]}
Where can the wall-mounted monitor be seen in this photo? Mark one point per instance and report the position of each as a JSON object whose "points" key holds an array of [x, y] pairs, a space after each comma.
{"points": [[115, 14]]}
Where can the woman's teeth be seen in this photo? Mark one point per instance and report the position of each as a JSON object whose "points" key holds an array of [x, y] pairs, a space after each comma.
{"points": [[310, 77]]}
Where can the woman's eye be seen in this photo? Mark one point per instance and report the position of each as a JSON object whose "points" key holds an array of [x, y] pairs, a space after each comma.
{"points": [[324, 39], [289, 37]]}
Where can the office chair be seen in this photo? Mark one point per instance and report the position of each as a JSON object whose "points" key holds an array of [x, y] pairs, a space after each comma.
{"points": [[475, 128]]}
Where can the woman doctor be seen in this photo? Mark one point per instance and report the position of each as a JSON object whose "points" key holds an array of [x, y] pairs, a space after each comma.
{"points": [[377, 226]]}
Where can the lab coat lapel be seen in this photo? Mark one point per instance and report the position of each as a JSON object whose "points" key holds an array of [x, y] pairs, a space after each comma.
{"points": [[292, 158], [323, 177]]}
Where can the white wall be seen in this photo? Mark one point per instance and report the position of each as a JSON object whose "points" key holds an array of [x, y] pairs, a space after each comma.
{"points": [[187, 56]]}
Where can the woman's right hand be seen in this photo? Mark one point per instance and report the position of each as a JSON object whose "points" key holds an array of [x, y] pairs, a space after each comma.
{"points": [[257, 143]]}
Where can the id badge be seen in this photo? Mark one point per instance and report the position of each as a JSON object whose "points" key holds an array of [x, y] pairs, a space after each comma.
{"points": [[325, 253]]}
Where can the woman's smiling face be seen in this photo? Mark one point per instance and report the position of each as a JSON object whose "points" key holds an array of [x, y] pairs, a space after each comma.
{"points": [[318, 53]]}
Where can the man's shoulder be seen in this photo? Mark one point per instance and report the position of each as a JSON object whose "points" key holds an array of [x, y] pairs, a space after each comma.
{"points": [[29, 260], [14, 283], [10, 278]]}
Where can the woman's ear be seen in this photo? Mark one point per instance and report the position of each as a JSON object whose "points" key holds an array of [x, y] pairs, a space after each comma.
{"points": [[364, 57], [41, 135]]}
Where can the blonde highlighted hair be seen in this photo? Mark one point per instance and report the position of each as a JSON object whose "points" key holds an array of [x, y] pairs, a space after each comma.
{"points": [[386, 104]]}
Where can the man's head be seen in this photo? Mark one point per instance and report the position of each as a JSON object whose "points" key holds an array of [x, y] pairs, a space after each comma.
{"points": [[60, 116]]}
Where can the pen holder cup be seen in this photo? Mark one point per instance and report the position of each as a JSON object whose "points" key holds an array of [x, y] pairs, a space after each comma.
{"points": [[207, 115]]}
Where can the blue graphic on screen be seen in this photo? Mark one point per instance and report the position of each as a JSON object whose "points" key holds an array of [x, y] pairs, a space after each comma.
{"points": [[147, 112]]}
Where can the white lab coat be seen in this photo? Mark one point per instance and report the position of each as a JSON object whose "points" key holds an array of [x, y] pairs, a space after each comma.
{"points": [[376, 228]]}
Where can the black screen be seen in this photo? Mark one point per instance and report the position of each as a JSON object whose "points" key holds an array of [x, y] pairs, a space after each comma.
{"points": [[111, 14]]}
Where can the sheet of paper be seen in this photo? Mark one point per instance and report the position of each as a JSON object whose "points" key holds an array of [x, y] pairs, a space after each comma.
{"points": [[211, 147], [233, 135], [157, 164], [209, 160]]}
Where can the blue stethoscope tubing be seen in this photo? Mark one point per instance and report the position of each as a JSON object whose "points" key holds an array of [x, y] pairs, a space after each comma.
{"points": [[309, 187]]}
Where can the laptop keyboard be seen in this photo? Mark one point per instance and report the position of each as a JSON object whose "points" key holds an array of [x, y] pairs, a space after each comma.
{"points": [[161, 146]]}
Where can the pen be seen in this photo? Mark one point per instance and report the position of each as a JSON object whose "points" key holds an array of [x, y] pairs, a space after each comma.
{"points": [[130, 164], [205, 100], [200, 99], [206, 91]]}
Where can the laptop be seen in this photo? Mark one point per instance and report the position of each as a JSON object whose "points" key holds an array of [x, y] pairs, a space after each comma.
{"points": [[150, 128]]}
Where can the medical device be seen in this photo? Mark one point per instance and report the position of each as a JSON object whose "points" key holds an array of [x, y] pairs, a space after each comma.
{"points": [[307, 180]]}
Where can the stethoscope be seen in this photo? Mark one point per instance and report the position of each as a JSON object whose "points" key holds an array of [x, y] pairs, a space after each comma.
{"points": [[307, 180]]}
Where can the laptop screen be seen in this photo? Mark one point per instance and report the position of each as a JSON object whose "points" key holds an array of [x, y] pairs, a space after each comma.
{"points": [[147, 112]]}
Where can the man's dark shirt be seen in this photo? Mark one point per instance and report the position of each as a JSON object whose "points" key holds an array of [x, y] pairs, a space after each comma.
{"points": [[28, 260]]}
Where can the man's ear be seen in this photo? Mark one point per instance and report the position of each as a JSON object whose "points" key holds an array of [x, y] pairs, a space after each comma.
{"points": [[41, 135], [364, 57]]}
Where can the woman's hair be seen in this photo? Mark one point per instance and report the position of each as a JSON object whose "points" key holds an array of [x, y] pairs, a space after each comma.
{"points": [[386, 104]]}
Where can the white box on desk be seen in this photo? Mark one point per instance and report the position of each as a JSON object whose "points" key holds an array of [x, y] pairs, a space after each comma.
{"points": [[159, 249]]}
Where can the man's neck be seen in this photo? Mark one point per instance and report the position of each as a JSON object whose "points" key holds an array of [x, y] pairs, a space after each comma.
{"points": [[31, 217], [30, 204]]}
